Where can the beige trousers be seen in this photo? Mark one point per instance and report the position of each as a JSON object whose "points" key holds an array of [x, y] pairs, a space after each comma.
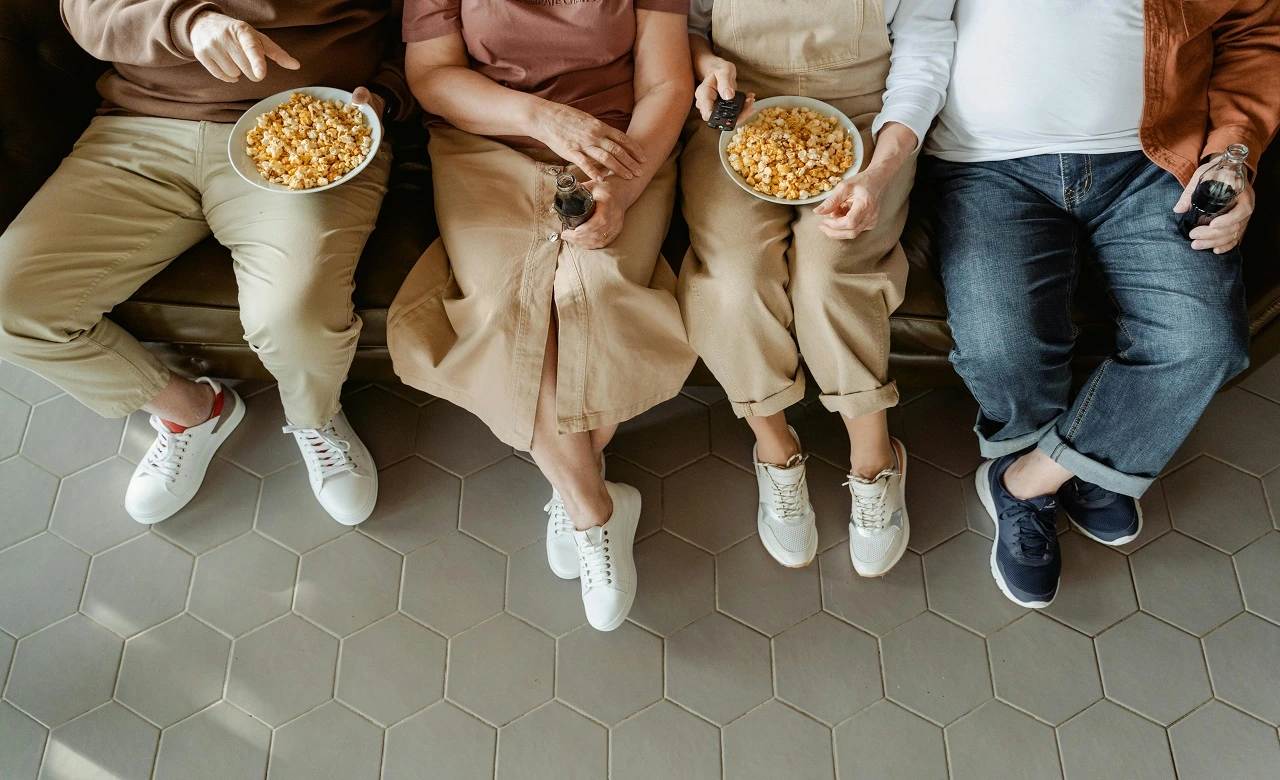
{"points": [[470, 323], [135, 193]]}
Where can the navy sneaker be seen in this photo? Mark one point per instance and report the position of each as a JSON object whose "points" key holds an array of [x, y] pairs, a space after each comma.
{"points": [[1099, 514], [1024, 556]]}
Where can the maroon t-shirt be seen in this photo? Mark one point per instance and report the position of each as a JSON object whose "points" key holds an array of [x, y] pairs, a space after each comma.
{"points": [[575, 52]]}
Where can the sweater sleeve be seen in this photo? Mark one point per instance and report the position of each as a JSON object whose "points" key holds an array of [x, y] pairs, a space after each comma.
{"points": [[1244, 93], [135, 32], [924, 39]]}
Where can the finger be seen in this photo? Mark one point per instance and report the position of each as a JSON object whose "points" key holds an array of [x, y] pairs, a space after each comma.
{"points": [[726, 81], [1214, 242], [620, 156], [1231, 218], [1222, 250], [248, 54], [748, 108], [843, 235], [1211, 233], [704, 97], [278, 55], [619, 166], [631, 145], [1184, 202], [588, 166], [214, 65]]}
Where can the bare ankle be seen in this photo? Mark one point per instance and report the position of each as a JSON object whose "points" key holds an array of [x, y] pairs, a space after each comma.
{"points": [[589, 511], [1034, 475]]}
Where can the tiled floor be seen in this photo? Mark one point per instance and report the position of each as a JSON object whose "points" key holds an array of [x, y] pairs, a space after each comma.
{"points": [[253, 637]]}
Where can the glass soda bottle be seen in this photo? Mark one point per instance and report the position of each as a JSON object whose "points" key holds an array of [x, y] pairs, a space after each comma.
{"points": [[573, 202], [1217, 190]]}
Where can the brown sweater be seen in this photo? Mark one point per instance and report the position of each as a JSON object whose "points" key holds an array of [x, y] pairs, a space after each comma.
{"points": [[340, 43]]}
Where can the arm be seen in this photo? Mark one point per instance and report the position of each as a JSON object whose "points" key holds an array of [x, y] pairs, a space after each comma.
{"points": [[1244, 95], [924, 39], [135, 32]]}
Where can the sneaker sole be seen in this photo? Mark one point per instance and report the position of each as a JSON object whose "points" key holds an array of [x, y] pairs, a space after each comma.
{"points": [[778, 553], [635, 579], [906, 529], [564, 574], [989, 504], [1116, 543], [201, 468]]}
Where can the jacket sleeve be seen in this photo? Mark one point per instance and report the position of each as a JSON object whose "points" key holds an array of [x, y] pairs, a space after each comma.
{"points": [[924, 42], [135, 32], [1244, 90]]}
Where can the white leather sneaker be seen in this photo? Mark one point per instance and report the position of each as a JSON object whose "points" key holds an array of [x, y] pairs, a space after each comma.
{"points": [[786, 521], [170, 473], [606, 562], [562, 554], [343, 476], [878, 526]]}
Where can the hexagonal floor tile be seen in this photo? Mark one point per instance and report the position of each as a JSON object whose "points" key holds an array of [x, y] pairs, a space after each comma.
{"points": [[174, 670], [939, 429], [1197, 494], [650, 487], [718, 668], [13, 423], [752, 748], [457, 440], [1271, 484], [824, 435], [877, 605], [827, 668], [243, 584], [1109, 741], [502, 504], [44, 577], [936, 505], [1187, 583], [290, 514], [1238, 427], [711, 504], [664, 743], [28, 493], [1155, 518], [90, 510], [257, 444], [609, 675], [704, 394], [385, 423], [1044, 668], [138, 437], [65, 436], [886, 741], [64, 671], [219, 743], [282, 670], [1216, 741], [996, 740], [329, 741], [678, 584], [348, 584], [454, 583], [1242, 657], [222, 510], [1264, 381], [391, 669], [731, 437], [454, 744], [1096, 588], [935, 668], [26, 385], [1256, 568], [1153, 668], [500, 669], [113, 741], [670, 435], [417, 504], [753, 588], [137, 585], [22, 742], [7, 644], [539, 597], [957, 576], [831, 503], [553, 741]]}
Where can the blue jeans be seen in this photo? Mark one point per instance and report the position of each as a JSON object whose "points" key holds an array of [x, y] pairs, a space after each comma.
{"points": [[1013, 236]]}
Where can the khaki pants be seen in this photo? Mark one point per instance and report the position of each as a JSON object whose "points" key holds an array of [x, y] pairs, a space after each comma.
{"points": [[470, 323], [135, 193]]}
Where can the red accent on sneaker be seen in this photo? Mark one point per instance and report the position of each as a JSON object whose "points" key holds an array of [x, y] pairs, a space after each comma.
{"points": [[216, 412]]}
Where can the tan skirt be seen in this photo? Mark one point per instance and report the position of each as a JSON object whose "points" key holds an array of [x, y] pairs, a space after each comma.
{"points": [[470, 323]]}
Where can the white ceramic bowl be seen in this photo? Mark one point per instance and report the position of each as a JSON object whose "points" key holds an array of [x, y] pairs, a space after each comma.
{"points": [[793, 102], [244, 164]]}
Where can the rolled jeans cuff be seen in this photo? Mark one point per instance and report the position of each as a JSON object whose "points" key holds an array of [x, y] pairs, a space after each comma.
{"points": [[1090, 470], [864, 402], [791, 394], [998, 449]]}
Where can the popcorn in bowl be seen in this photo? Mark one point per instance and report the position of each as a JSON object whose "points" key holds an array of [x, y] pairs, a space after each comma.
{"points": [[791, 153], [306, 142]]}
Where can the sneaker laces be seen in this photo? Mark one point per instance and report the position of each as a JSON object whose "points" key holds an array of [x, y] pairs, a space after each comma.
{"points": [[1033, 530], [789, 498], [560, 522], [868, 508], [597, 563], [164, 459], [323, 450]]}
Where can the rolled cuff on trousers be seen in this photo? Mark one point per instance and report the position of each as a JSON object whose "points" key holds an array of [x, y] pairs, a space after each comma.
{"points": [[862, 403], [791, 394], [1051, 443]]}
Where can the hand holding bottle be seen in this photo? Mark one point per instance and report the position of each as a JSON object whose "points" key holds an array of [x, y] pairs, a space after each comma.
{"points": [[1218, 202]]}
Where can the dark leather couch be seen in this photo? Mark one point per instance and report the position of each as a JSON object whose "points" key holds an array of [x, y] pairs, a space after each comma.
{"points": [[188, 312]]}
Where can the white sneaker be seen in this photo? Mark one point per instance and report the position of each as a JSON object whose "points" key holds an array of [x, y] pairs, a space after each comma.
{"points": [[171, 472], [562, 554], [343, 476], [606, 561], [786, 521], [878, 527]]}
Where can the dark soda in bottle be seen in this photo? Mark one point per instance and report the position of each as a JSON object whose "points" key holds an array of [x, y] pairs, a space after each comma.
{"points": [[573, 203], [1217, 190]]}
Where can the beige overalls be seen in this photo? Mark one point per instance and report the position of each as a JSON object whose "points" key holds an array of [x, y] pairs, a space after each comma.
{"points": [[757, 271], [470, 323]]}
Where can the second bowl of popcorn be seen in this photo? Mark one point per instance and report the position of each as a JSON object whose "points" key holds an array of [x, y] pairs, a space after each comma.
{"points": [[794, 150], [304, 141]]}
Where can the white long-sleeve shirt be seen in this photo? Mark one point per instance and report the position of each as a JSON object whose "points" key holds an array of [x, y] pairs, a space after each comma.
{"points": [[923, 38]]}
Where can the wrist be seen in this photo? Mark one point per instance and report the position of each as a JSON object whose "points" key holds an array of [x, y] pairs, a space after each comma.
{"points": [[184, 22], [538, 116], [706, 61]]}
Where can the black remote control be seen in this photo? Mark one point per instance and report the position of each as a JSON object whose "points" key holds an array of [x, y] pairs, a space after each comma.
{"points": [[725, 114]]}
